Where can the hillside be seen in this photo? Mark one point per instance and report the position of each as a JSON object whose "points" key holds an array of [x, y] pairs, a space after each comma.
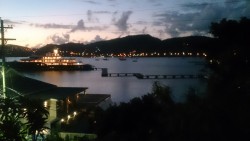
{"points": [[16, 51], [136, 43]]}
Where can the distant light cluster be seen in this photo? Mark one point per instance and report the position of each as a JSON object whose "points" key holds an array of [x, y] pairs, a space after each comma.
{"points": [[137, 54]]}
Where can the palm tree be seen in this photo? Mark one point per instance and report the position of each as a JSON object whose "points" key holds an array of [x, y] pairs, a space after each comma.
{"points": [[37, 116], [11, 126]]}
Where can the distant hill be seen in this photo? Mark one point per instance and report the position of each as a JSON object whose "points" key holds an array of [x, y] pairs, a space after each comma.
{"points": [[136, 43], [16, 51], [190, 43]]}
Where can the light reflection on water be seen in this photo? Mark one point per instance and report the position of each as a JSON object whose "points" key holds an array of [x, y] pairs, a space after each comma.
{"points": [[122, 89]]}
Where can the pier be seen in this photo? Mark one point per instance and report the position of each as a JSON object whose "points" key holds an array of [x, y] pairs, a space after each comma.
{"points": [[142, 76]]}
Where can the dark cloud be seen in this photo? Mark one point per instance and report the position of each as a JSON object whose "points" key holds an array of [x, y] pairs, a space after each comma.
{"points": [[161, 33], [114, 16], [7, 21], [57, 39], [144, 30], [199, 16], [122, 22], [52, 25], [194, 6], [90, 1], [142, 22], [79, 26], [97, 39], [101, 12], [91, 14]]}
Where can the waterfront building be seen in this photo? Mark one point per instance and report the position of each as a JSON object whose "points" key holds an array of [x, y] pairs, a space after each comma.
{"points": [[61, 102]]}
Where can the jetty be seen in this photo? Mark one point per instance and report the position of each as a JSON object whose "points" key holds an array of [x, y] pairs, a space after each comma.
{"points": [[142, 76]]}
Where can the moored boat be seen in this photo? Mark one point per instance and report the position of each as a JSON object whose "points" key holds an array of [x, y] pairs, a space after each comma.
{"points": [[122, 58], [51, 61]]}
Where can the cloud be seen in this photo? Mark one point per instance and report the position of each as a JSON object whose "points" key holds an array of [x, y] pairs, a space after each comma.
{"points": [[89, 1], [91, 14], [57, 39], [7, 21], [121, 24], [79, 26], [114, 16], [144, 30], [52, 25], [73, 28], [97, 39], [198, 17]]}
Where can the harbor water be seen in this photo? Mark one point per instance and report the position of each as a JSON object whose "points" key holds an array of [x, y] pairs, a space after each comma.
{"points": [[122, 89]]}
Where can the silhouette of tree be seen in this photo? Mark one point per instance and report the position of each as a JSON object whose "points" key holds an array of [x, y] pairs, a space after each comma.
{"points": [[11, 125], [37, 116], [139, 119], [223, 114], [229, 85]]}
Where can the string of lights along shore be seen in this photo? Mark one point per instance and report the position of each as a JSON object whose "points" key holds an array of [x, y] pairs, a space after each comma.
{"points": [[87, 21]]}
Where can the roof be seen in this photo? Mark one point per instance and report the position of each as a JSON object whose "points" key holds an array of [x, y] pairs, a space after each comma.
{"points": [[58, 93], [18, 84], [92, 99]]}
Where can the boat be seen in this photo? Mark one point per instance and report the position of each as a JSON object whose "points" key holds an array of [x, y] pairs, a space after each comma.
{"points": [[135, 60], [51, 61], [122, 58], [105, 59]]}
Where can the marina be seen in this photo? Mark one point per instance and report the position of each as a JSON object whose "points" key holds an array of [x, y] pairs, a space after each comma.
{"points": [[124, 88]]}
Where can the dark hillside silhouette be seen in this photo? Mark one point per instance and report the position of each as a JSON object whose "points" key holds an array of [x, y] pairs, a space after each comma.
{"points": [[128, 44], [138, 43]]}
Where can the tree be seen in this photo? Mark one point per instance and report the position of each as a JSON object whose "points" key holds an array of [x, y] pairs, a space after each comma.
{"points": [[140, 119], [37, 116], [11, 125], [20, 117], [229, 85]]}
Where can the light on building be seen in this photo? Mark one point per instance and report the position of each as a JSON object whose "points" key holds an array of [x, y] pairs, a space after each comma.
{"points": [[45, 104]]}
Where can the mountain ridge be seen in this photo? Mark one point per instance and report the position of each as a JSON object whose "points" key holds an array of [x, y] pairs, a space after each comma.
{"points": [[134, 43]]}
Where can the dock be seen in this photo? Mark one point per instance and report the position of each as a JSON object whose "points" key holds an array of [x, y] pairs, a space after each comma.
{"points": [[142, 76], [104, 72]]}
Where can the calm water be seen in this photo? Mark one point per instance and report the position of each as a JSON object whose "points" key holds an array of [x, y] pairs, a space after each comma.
{"points": [[122, 89]]}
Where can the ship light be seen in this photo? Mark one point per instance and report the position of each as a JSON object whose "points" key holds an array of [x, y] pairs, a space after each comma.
{"points": [[55, 52]]}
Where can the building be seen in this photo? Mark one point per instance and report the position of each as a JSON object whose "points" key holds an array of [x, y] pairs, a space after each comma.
{"points": [[61, 102]]}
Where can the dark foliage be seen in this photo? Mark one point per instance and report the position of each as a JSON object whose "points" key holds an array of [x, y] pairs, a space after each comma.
{"points": [[223, 114]]}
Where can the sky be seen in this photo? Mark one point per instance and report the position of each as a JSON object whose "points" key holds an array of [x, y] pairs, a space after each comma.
{"points": [[40, 22]]}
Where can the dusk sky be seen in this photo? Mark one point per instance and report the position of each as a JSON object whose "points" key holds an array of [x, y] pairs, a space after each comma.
{"points": [[40, 22]]}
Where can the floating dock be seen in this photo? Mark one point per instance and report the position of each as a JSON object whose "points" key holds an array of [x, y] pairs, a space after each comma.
{"points": [[142, 76]]}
